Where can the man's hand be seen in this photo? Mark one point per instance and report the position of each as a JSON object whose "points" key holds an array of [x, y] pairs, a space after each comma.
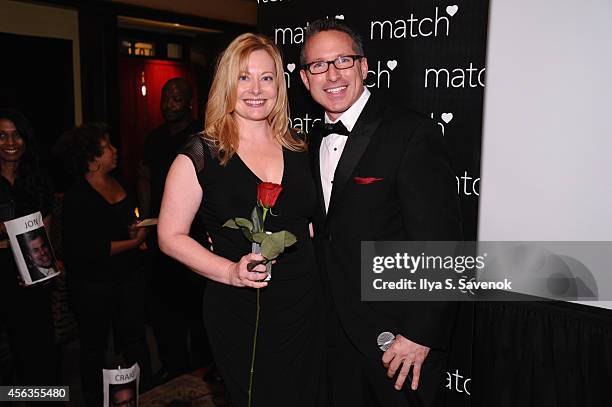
{"points": [[404, 353]]}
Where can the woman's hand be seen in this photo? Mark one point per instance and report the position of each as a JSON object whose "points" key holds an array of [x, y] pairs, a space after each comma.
{"points": [[137, 235], [132, 231], [240, 276], [22, 283], [135, 231], [140, 236]]}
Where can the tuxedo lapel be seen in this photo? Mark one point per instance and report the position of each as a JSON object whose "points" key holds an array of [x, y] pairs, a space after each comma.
{"points": [[35, 274], [357, 143], [314, 147]]}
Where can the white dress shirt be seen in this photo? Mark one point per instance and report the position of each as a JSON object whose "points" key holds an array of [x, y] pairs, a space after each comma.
{"points": [[46, 271], [330, 152], [332, 146]]}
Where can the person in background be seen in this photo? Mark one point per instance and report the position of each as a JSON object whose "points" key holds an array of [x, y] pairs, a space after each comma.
{"points": [[162, 144], [25, 312], [174, 306], [100, 245]]}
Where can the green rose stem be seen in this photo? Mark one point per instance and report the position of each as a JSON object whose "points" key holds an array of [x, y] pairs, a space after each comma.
{"points": [[254, 349], [265, 212], [252, 372]]}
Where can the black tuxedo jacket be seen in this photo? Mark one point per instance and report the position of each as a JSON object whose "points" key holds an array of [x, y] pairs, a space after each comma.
{"points": [[35, 274], [416, 199]]}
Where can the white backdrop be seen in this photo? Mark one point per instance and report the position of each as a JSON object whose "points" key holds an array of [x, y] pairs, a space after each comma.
{"points": [[547, 144]]}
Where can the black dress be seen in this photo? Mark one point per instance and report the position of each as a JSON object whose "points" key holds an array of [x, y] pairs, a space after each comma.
{"points": [[107, 290], [25, 313], [289, 362]]}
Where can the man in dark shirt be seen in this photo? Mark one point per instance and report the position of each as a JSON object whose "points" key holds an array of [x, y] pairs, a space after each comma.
{"points": [[175, 306], [162, 143]]}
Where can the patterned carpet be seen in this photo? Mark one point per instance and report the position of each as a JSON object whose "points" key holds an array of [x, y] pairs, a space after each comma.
{"points": [[188, 390]]}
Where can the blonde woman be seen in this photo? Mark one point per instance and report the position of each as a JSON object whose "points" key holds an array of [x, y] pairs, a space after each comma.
{"points": [[247, 141]]}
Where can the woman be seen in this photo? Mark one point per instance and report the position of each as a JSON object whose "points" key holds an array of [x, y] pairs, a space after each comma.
{"points": [[25, 311], [101, 255], [247, 141]]}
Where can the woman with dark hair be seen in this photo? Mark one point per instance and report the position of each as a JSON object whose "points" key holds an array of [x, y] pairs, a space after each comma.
{"points": [[25, 311], [100, 244]]}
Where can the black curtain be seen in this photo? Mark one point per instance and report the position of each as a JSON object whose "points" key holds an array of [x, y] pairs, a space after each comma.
{"points": [[541, 354]]}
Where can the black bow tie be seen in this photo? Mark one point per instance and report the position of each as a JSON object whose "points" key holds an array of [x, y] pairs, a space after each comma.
{"points": [[335, 128]]}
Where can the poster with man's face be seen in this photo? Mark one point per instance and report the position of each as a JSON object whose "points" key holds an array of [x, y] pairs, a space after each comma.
{"points": [[38, 254], [31, 248], [121, 386]]}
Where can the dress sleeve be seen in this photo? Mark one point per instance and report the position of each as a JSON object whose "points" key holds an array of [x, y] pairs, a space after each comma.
{"points": [[195, 148]]}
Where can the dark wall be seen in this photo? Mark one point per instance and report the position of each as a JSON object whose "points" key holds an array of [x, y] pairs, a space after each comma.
{"points": [[37, 79]]}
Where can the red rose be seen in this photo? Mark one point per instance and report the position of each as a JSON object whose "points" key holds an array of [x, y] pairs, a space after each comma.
{"points": [[267, 193]]}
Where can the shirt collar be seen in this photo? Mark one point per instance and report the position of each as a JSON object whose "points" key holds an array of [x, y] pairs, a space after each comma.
{"points": [[46, 271], [350, 116]]}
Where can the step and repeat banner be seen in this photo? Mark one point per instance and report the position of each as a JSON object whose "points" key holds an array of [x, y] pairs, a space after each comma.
{"points": [[427, 55]]}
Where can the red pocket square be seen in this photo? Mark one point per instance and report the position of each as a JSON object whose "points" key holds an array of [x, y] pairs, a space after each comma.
{"points": [[366, 180]]}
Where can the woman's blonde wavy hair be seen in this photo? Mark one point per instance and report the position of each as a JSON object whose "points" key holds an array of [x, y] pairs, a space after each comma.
{"points": [[221, 129]]}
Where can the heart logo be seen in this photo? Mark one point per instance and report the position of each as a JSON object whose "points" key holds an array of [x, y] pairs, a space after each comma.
{"points": [[290, 67], [447, 117], [392, 64], [451, 10], [340, 17]]}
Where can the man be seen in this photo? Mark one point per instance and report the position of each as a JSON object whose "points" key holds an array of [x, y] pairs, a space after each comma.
{"points": [[385, 176], [39, 255], [162, 143], [175, 306]]}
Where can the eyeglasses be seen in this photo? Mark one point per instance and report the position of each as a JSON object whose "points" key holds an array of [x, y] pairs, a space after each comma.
{"points": [[342, 62]]}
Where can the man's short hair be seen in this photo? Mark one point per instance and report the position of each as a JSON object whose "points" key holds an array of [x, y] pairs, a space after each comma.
{"points": [[321, 25], [180, 83], [35, 234]]}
